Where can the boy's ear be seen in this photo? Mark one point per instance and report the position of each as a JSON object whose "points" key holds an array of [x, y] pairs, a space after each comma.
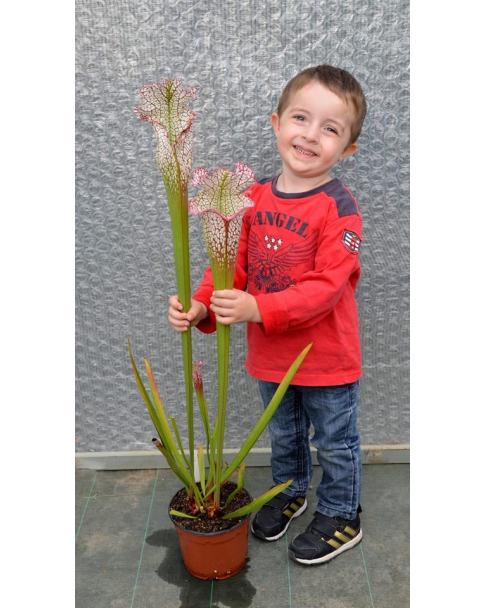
{"points": [[351, 149], [275, 122]]}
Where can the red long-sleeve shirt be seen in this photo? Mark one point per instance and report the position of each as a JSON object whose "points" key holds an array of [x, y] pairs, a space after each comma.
{"points": [[299, 257]]}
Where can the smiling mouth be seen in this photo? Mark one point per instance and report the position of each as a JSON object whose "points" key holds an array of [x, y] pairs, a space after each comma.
{"points": [[305, 152]]}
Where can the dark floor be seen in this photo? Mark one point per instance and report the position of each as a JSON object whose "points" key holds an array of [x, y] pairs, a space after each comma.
{"points": [[127, 553]]}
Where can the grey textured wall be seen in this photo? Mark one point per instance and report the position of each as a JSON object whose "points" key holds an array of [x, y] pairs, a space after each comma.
{"points": [[239, 54]]}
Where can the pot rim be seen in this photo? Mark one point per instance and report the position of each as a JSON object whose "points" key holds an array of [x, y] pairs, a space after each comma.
{"points": [[177, 524]]}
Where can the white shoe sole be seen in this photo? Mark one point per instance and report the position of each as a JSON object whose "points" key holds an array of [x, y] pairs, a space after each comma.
{"points": [[330, 556], [280, 534]]}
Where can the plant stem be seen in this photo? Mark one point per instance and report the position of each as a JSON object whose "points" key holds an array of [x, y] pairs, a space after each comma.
{"points": [[187, 361], [223, 340], [178, 207], [224, 280]]}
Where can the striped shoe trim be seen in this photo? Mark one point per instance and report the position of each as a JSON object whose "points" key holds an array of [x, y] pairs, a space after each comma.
{"points": [[339, 538], [342, 537], [294, 507], [350, 531], [333, 543]]}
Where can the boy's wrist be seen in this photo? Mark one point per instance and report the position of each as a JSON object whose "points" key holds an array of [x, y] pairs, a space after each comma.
{"points": [[256, 317], [202, 310]]}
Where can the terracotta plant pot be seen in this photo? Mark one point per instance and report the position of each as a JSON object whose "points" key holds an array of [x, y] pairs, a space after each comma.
{"points": [[214, 555]]}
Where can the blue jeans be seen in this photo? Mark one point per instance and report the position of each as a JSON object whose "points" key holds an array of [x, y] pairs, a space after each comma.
{"points": [[333, 411]]}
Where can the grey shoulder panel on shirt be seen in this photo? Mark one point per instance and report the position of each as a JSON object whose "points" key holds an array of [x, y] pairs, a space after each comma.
{"points": [[345, 202]]}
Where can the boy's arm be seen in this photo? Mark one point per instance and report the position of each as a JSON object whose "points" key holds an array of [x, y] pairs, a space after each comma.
{"points": [[317, 291], [203, 294]]}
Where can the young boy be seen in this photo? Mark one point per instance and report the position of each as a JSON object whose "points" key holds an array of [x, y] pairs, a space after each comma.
{"points": [[298, 267]]}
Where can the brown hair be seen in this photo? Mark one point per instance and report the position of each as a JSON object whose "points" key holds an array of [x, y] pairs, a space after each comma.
{"points": [[339, 81]]}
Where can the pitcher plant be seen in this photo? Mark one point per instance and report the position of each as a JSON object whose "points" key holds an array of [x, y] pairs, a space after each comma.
{"points": [[166, 106], [221, 205]]}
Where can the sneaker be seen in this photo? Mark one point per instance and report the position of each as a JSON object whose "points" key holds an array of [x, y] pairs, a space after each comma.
{"points": [[273, 519], [325, 538]]}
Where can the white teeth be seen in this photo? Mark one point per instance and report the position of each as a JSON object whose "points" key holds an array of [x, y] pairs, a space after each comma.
{"points": [[304, 151]]}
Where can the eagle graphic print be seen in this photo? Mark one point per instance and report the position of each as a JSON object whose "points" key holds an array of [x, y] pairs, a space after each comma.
{"points": [[272, 260]]}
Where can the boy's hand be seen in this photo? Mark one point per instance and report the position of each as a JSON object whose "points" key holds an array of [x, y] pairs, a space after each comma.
{"points": [[179, 320], [234, 306]]}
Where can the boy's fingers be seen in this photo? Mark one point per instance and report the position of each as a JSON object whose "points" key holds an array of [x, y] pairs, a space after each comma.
{"points": [[178, 324], [227, 294], [223, 320], [175, 303], [175, 313], [221, 311], [221, 300], [223, 306]]}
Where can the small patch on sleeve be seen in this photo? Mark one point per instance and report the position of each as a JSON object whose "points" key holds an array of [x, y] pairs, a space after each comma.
{"points": [[351, 241]]}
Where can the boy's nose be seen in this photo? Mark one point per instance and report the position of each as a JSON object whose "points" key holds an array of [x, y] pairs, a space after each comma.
{"points": [[311, 133]]}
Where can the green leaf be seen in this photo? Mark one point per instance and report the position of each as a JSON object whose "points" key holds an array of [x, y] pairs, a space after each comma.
{"points": [[171, 462], [202, 469], [239, 485], [159, 418], [267, 414], [167, 438], [212, 456], [203, 406], [258, 502], [141, 387], [179, 442], [160, 424], [179, 514]]}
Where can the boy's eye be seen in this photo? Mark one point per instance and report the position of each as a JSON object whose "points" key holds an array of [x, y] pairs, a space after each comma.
{"points": [[299, 117], [331, 129]]}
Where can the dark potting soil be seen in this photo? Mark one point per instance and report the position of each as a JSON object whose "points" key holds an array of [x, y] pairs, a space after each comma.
{"points": [[206, 524]]}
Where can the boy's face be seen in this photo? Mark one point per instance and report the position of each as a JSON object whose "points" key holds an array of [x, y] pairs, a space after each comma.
{"points": [[312, 135]]}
